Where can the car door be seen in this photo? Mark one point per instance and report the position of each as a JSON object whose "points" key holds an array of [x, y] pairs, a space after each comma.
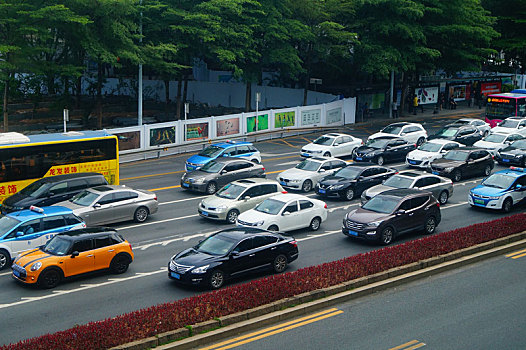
{"points": [[471, 164], [365, 181], [338, 147], [288, 219], [395, 150], [417, 213], [245, 169], [25, 236], [123, 205], [243, 257], [307, 212], [266, 249], [56, 193], [83, 262], [100, 211], [519, 190], [402, 219], [103, 251], [431, 184], [324, 170], [227, 174], [410, 134], [250, 198]]}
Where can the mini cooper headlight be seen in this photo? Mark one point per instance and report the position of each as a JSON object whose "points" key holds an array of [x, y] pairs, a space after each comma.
{"points": [[36, 266], [201, 269]]}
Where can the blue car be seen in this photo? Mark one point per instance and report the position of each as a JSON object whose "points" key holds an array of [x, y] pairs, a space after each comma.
{"points": [[238, 149], [501, 190], [30, 228]]}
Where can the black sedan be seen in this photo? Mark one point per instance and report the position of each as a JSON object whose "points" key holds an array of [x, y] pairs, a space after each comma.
{"points": [[217, 173], [460, 163], [230, 253], [514, 154], [383, 149], [464, 134], [352, 180]]}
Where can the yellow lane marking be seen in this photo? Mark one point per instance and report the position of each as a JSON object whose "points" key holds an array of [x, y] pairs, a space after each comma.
{"points": [[416, 346], [410, 345], [152, 175], [309, 141], [163, 188], [516, 255], [274, 330], [288, 143]]}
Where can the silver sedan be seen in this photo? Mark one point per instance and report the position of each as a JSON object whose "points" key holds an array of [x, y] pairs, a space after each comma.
{"points": [[107, 204]]}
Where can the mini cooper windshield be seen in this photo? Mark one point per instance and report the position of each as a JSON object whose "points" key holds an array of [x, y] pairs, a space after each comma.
{"points": [[57, 246], [216, 245], [230, 191], [381, 204], [498, 181]]}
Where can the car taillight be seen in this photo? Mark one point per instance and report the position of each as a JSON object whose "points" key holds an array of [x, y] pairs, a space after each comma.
{"points": [[325, 206], [438, 204], [155, 198], [284, 192], [294, 243], [130, 246], [415, 145], [363, 143], [263, 168]]}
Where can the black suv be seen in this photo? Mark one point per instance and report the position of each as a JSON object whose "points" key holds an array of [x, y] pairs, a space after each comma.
{"points": [[463, 162], [464, 134], [50, 190], [392, 213], [352, 180]]}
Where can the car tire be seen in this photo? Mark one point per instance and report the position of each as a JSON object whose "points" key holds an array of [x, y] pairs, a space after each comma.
{"points": [[523, 162], [280, 263], [216, 279], [327, 154], [348, 194], [507, 205], [457, 176], [315, 224], [307, 186], [387, 235], [443, 197], [49, 278], [486, 133], [380, 160], [273, 228], [487, 170], [430, 225], [119, 264], [141, 214], [211, 188], [420, 141], [231, 216], [5, 259]]}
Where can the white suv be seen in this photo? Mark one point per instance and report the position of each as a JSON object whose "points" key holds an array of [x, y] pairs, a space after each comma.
{"points": [[411, 132]]}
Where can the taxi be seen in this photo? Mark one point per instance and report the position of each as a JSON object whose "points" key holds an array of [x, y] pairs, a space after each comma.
{"points": [[73, 253], [501, 190], [236, 149], [30, 228]]}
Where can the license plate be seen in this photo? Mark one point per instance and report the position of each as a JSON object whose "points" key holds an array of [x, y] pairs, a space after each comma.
{"points": [[412, 162], [185, 184], [283, 183], [505, 160], [479, 201], [435, 172], [204, 213], [322, 190], [16, 273], [175, 275], [353, 233], [358, 158]]}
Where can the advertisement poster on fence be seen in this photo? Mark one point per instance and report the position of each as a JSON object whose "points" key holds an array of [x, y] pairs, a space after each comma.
{"points": [[458, 92], [162, 136], [227, 127], [196, 131], [262, 123], [334, 115], [310, 117], [284, 119], [490, 88], [427, 95], [129, 140]]}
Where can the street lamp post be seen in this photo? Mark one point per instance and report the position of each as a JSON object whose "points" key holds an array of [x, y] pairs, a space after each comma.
{"points": [[258, 98], [139, 112]]}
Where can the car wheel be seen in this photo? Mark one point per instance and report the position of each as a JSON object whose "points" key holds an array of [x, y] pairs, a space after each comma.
{"points": [[49, 278], [327, 154], [457, 176], [141, 214], [211, 188], [486, 133], [231, 216], [307, 186], [430, 225], [273, 228], [280, 263], [386, 237], [353, 153], [217, 279], [315, 224], [487, 170], [5, 259], [443, 197], [348, 194], [119, 264], [255, 161], [523, 163], [380, 160], [507, 205], [420, 141]]}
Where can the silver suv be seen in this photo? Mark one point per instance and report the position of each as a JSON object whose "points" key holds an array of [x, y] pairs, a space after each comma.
{"points": [[237, 197]]}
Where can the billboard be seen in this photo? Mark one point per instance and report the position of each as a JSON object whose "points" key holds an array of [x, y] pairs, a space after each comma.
{"points": [[196, 131], [458, 92], [334, 115], [490, 88], [427, 95], [284, 119], [129, 140], [310, 117], [262, 123], [227, 127], [162, 136]]}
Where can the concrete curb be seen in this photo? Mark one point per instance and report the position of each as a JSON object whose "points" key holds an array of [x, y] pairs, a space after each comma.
{"points": [[234, 324]]}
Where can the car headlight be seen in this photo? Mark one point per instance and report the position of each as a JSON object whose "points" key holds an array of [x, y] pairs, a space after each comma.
{"points": [[201, 269], [184, 176], [260, 223], [518, 156], [36, 266], [337, 187], [317, 151], [448, 170], [493, 197], [374, 224], [221, 208], [295, 180], [200, 180]]}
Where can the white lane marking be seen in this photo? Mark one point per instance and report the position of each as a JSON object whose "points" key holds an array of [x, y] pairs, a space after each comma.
{"points": [[159, 222], [182, 200], [5, 273], [166, 242], [288, 163], [343, 207], [82, 287], [318, 236], [279, 154]]}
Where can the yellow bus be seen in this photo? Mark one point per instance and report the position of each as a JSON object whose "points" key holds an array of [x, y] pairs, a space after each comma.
{"points": [[27, 158]]}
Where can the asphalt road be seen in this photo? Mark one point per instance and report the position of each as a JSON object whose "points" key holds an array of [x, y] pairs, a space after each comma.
{"points": [[475, 307], [176, 226]]}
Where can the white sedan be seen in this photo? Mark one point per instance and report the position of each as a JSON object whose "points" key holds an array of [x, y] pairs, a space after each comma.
{"points": [[411, 132], [285, 212], [494, 142], [483, 127], [331, 145], [429, 151], [511, 125], [307, 173]]}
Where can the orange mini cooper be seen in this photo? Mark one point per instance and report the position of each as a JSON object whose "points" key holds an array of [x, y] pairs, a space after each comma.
{"points": [[73, 253]]}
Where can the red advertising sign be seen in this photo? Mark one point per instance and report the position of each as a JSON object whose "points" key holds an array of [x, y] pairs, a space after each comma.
{"points": [[490, 88]]}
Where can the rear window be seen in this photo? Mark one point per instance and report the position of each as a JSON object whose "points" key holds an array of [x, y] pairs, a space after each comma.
{"points": [[96, 181]]}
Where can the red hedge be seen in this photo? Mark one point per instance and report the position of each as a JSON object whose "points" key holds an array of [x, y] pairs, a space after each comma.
{"points": [[169, 316]]}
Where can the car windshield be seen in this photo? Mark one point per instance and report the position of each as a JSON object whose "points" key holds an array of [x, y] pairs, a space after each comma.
{"points": [[35, 190], [377, 143], [216, 245], [212, 167], [499, 181], [462, 122], [392, 129], [381, 204], [348, 172], [447, 132], [430, 147], [7, 223], [230, 191], [270, 206], [398, 182], [456, 155], [324, 140], [521, 144], [211, 151], [308, 165], [495, 138], [84, 198], [509, 123], [57, 246]]}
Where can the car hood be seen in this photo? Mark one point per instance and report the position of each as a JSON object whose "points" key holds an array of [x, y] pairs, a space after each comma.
{"points": [[197, 159], [19, 200], [198, 174], [500, 129], [71, 205], [446, 163], [488, 145], [366, 150], [488, 191], [511, 150], [365, 216], [255, 216], [333, 180], [215, 201], [419, 155], [373, 191], [314, 147], [192, 257], [296, 174], [380, 134], [437, 137], [31, 257]]}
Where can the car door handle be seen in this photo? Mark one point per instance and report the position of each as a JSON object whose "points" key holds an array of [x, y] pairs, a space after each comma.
{"points": [[426, 208], [411, 214], [273, 248], [89, 256], [111, 250], [251, 255]]}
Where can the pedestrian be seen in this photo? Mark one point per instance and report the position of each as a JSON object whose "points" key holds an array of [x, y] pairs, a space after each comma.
{"points": [[395, 110], [415, 103], [366, 109], [441, 100]]}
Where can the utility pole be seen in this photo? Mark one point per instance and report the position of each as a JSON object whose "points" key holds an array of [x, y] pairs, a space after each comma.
{"points": [[258, 98], [139, 112], [391, 96]]}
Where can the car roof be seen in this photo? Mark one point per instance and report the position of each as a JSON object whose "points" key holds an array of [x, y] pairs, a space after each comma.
{"points": [[441, 141], [254, 181], [335, 134], [386, 137], [57, 178], [28, 214], [108, 188], [400, 124], [410, 173], [229, 144], [242, 232], [87, 232], [404, 192], [230, 160], [365, 165], [285, 197], [323, 159], [512, 172]]}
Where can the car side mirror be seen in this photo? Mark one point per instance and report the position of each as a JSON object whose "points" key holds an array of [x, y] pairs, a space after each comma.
{"points": [[225, 155], [321, 170], [234, 253], [96, 205], [51, 194], [518, 187], [19, 234], [285, 214], [336, 144], [400, 212], [223, 172], [246, 198], [403, 134], [74, 254]]}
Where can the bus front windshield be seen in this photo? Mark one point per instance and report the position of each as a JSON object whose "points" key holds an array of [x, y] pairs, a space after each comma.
{"points": [[500, 110]]}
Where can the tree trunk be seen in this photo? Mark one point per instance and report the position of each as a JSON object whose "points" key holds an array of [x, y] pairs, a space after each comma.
{"points": [[78, 91], [6, 92], [178, 106], [403, 97], [99, 95], [306, 90], [185, 89], [167, 99], [248, 95]]}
